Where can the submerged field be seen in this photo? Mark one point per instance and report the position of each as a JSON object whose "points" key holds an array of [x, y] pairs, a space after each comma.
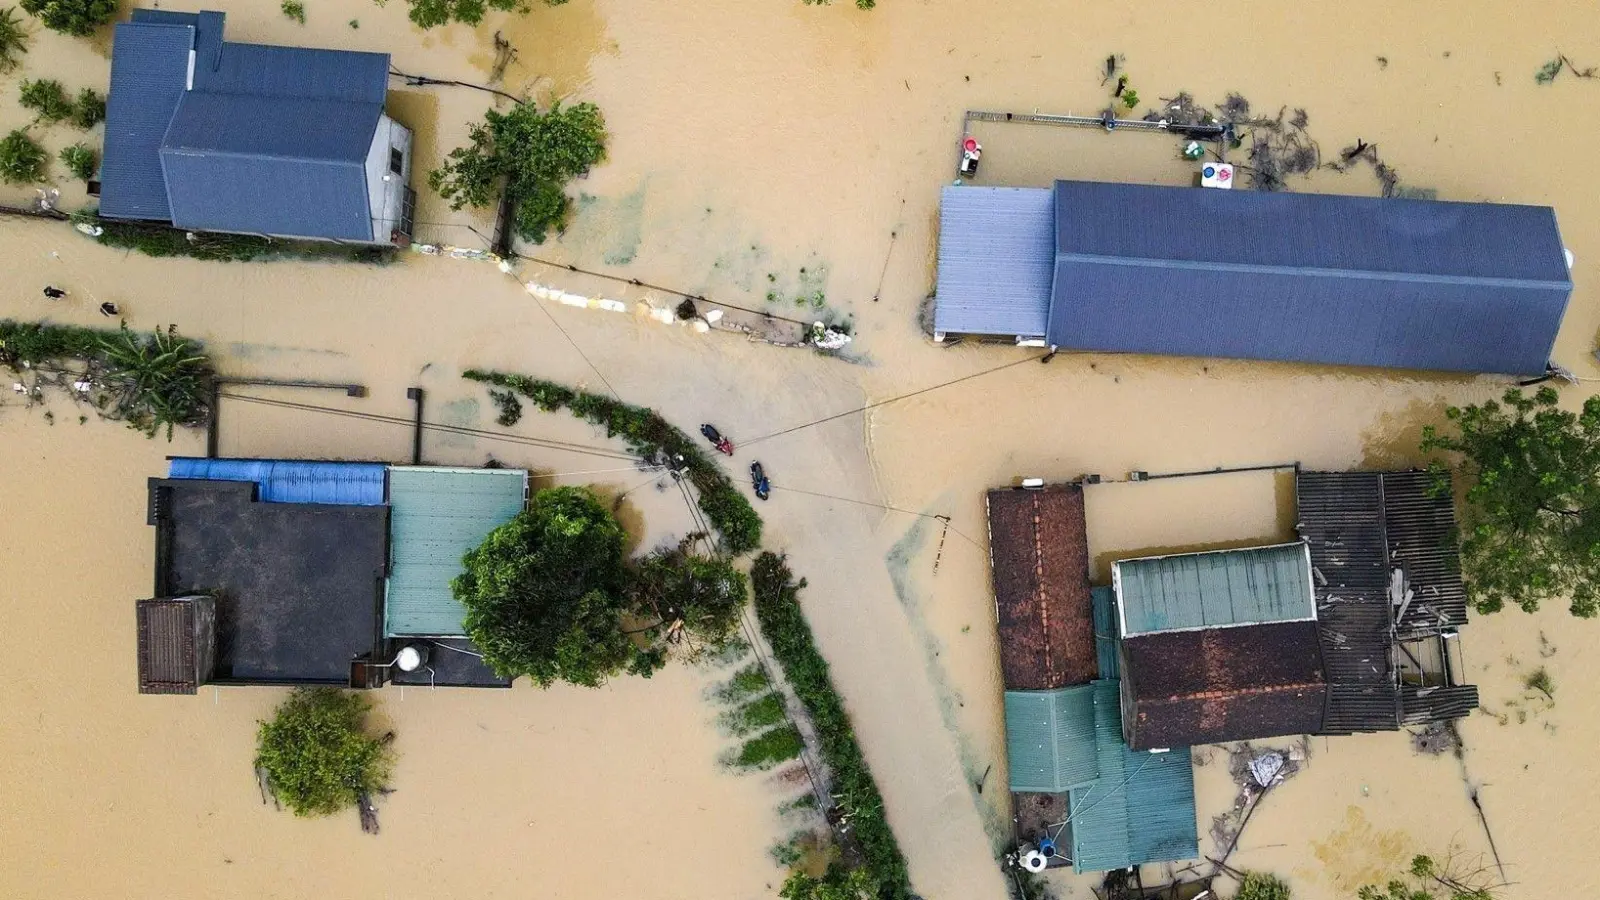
{"points": [[785, 150]]}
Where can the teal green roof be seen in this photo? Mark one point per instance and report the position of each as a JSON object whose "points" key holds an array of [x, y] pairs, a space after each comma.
{"points": [[1141, 810], [436, 515], [1050, 739], [1105, 631], [1215, 589]]}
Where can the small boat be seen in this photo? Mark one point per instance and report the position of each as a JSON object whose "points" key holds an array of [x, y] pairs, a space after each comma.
{"points": [[717, 439], [758, 480]]}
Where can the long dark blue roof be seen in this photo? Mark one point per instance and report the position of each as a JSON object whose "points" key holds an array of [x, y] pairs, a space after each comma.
{"points": [[268, 140], [1416, 284]]}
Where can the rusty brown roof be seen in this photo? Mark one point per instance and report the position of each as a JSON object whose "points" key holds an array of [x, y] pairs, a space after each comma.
{"points": [[166, 647], [1223, 684], [1040, 560]]}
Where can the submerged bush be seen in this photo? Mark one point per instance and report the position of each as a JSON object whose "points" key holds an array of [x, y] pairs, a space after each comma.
{"points": [[75, 17], [81, 160], [13, 39], [22, 160], [46, 98], [315, 754], [161, 240], [89, 109]]}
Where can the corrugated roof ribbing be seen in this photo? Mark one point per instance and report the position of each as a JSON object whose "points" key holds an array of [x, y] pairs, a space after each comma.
{"points": [[1412, 284], [1105, 630], [1050, 739], [148, 73], [1214, 589], [292, 481], [1141, 810], [996, 260], [437, 515]]}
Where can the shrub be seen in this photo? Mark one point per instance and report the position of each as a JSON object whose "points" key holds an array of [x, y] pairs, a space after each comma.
{"points": [[13, 39], [89, 109], [653, 438], [1262, 886], [295, 10], [432, 13], [46, 98], [22, 160], [81, 160], [161, 240], [75, 17], [315, 754], [769, 748], [528, 154], [544, 592], [777, 608]]}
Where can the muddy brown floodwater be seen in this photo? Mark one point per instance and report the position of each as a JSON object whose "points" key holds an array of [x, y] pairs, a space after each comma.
{"points": [[783, 148]]}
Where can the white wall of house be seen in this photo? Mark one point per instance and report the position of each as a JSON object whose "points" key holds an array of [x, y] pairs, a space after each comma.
{"points": [[386, 187]]}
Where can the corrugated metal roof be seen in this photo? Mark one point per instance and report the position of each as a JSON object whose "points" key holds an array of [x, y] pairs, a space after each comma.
{"points": [[1418, 284], [1050, 739], [292, 481], [996, 260], [1142, 808], [1214, 589], [149, 64], [1105, 630], [269, 140], [436, 516]]}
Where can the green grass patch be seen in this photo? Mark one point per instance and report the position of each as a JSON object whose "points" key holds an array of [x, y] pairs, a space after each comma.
{"points": [[655, 439], [769, 748], [763, 712], [160, 241], [747, 681], [777, 608]]}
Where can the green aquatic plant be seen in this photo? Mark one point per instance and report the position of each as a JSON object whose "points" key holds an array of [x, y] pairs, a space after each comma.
{"points": [[22, 160], [81, 160], [315, 755], [1130, 98]]}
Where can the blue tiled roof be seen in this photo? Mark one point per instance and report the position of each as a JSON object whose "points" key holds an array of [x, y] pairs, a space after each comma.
{"points": [[269, 140], [148, 72], [292, 481], [1415, 284], [1142, 808]]}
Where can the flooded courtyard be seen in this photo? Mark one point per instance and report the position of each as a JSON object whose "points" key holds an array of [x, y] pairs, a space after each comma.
{"points": [[783, 150]]}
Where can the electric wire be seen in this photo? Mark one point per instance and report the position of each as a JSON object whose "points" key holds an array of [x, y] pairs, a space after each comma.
{"points": [[895, 399], [435, 426]]}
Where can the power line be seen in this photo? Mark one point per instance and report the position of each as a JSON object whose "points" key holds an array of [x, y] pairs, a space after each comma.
{"points": [[654, 287], [935, 516], [596, 369], [436, 426], [877, 403]]}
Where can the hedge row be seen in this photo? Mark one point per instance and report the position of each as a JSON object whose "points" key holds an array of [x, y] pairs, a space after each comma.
{"points": [[777, 608], [159, 240], [652, 437]]}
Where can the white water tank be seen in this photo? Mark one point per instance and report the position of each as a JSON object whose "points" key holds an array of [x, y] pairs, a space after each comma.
{"points": [[1034, 861], [410, 658]]}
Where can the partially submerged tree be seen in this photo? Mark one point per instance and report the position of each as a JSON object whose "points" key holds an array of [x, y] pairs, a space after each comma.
{"points": [[75, 17], [693, 594], [81, 160], [22, 160], [89, 109], [13, 39], [1531, 526], [839, 882], [431, 13], [1429, 879], [545, 592], [315, 755], [1262, 886], [46, 98], [530, 154]]}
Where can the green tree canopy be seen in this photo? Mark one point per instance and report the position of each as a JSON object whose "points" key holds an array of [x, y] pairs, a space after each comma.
{"points": [[75, 17], [316, 755], [22, 160], [545, 592], [1530, 530], [706, 595], [530, 154]]}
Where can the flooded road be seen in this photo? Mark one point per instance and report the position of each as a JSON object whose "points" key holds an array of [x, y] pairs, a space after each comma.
{"points": [[779, 150]]}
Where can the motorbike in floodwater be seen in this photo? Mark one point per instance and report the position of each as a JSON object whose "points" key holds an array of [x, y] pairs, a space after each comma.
{"points": [[758, 480], [717, 439]]}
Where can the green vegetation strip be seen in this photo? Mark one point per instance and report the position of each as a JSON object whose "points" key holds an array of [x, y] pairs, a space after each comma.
{"points": [[653, 438], [777, 608], [159, 240], [151, 381], [767, 750]]}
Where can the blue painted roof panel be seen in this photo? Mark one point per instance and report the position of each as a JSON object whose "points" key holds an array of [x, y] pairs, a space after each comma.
{"points": [[287, 127], [1420, 284], [1142, 809], [1050, 739], [149, 67], [293, 481], [267, 195], [306, 72], [996, 259]]}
